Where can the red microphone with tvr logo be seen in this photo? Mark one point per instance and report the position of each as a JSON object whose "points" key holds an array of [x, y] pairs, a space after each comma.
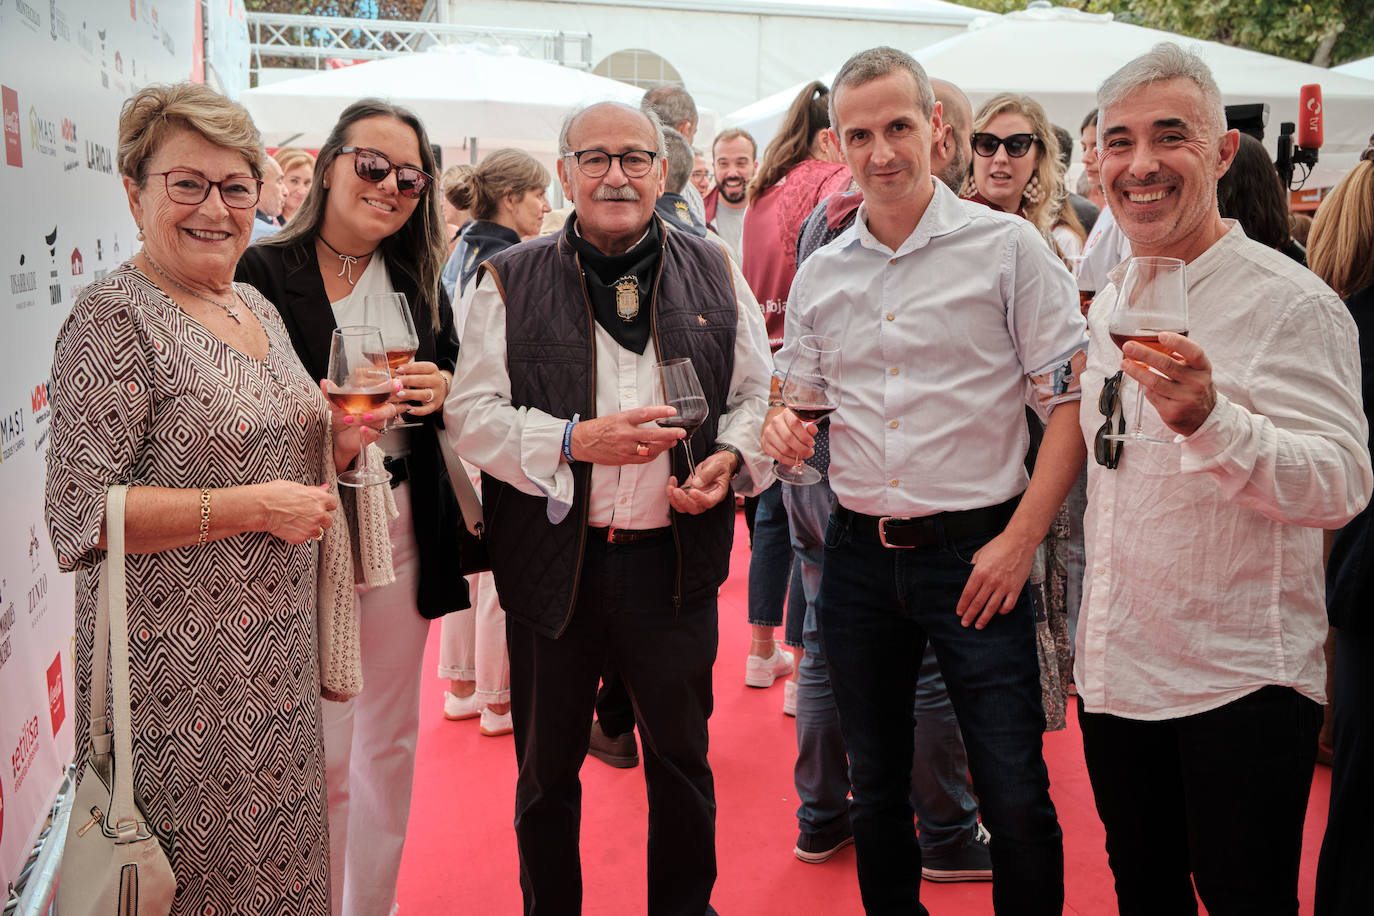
{"points": [[1310, 116]]}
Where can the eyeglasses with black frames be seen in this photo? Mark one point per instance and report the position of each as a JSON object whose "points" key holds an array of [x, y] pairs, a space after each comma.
{"points": [[187, 186], [1017, 145], [373, 165], [594, 163], [1108, 451]]}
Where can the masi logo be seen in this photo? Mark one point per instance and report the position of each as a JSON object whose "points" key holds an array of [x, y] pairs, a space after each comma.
{"points": [[42, 133], [14, 146], [11, 434]]}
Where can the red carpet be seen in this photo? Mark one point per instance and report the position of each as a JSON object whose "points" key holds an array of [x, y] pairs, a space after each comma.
{"points": [[460, 857]]}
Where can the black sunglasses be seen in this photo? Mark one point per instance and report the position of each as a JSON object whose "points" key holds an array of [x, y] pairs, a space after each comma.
{"points": [[1108, 451], [1017, 145], [373, 165]]}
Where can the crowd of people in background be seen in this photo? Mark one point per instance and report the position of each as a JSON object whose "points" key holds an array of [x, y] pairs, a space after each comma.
{"points": [[981, 559]]}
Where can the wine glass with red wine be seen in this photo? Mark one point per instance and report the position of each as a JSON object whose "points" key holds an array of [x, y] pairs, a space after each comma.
{"points": [[359, 382], [1153, 298], [811, 390], [390, 312], [682, 391]]}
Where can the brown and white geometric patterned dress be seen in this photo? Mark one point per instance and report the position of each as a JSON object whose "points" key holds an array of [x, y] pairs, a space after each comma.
{"points": [[228, 762]]}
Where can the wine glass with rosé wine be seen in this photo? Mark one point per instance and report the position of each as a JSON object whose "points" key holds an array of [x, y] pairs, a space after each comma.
{"points": [[359, 382], [1153, 298], [390, 312]]}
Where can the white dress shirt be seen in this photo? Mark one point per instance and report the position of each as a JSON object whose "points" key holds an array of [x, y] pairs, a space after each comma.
{"points": [[1203, 576], [943, 342], [1106, 247], [524, 446]]}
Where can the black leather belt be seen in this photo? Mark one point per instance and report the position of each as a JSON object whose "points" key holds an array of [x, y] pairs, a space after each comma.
{"points": [[398, 469], [629, 535], [928, 530]]}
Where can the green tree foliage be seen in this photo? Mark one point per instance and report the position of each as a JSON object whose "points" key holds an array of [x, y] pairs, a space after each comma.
{"points": [[1323, 32], [404, 10]]}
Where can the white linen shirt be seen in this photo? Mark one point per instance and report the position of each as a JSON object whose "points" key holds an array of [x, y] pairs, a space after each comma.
{"points": [[1203, 577], [939, 340], [1106, 247], [524, 446]]}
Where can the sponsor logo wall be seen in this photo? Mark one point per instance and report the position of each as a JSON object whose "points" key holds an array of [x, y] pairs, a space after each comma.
{"points": [[66, 66]]}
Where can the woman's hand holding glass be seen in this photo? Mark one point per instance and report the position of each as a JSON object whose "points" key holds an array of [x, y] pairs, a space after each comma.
{"points": [[423, 384]]}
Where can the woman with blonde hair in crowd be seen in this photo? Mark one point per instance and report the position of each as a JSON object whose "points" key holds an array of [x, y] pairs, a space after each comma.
{"points": [[506, 196], [371, 225], [173, 379], [298, 169], [1340, 250], [1016, 163]]}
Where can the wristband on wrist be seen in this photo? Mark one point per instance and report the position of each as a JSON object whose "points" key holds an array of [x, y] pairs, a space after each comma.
{"points": [[567, 438], [204, 517]]}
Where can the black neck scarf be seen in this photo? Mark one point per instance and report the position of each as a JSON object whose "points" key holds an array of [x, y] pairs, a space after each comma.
{"points": [[602, 273]]}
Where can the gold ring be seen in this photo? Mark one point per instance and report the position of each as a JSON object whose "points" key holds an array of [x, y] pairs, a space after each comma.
{"points": [[320, 536], [642, 449]]}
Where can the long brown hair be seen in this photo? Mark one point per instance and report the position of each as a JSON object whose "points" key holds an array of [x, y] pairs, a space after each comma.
{"points": [[1340, 247], [420, 247], [808, 113]]}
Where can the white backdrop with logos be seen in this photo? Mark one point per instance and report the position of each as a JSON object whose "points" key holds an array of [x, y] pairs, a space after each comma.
{"points": [[65, 68]]}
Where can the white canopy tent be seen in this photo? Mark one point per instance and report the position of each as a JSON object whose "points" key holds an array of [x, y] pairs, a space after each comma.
{"points": [[471, 101], [1363, 68], [1059, 57]]}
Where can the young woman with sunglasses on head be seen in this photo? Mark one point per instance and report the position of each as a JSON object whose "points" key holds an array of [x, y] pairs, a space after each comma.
{"points": [[1016, 166], [371, 224]]}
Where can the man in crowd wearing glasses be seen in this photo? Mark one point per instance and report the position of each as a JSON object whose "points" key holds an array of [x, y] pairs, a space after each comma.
{"points": [[947, 314], [1199, 667], [603, 549]]}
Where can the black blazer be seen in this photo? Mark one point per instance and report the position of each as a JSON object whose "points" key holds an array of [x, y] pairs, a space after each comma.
{"points": [[1350, 572], [290, 279]]}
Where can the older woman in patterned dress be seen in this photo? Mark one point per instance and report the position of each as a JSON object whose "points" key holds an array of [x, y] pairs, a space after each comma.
{"points": [[171, 378]]}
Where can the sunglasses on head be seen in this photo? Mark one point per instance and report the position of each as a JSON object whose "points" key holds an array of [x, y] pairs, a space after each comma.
{"points": [[1108, 451], [1017, 145], [373, 165]]}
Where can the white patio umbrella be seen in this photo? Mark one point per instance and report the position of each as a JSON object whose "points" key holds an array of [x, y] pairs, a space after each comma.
{"points": [[1060, 56], [471, 101]]}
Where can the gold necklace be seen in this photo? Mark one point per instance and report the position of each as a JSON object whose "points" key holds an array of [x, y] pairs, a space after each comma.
{"points": [[230, 310]]}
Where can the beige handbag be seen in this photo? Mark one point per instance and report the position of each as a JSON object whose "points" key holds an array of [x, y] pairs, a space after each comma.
{"points": [[112, 864]]}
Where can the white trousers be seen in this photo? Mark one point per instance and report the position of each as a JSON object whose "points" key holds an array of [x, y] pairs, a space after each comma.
{"points": [[472, 642], [369, 741]]}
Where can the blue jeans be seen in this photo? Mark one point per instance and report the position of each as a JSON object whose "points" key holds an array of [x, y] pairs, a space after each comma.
{"points": [[770, 568], [946, 813], [878, 607]]}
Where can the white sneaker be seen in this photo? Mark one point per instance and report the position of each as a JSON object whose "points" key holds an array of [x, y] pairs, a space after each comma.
{"points": [[789, 698], [495, 724], [456, 708], [762, 672]]}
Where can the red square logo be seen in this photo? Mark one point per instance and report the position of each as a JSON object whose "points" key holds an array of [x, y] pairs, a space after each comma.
{"points": [[14, 148], [56, 706]]}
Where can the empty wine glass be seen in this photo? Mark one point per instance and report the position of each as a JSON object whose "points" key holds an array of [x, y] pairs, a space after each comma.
{"points": [[682, 391], [390, 312], [1153, 298], [359, 382], [811, 390]]}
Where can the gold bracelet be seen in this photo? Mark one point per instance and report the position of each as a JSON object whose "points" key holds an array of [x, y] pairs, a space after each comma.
{"points": [[204, 516]]}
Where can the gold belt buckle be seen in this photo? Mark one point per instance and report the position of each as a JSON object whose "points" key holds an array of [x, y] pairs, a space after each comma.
{"points": [[882, 532]]}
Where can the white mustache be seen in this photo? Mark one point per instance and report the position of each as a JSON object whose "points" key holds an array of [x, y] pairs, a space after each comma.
{"points": [[606, 192]]}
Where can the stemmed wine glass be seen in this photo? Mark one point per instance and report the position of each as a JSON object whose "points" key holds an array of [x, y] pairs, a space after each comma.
{"points": [[682, 391], [1153, 298], [391, 313], [811, 390], [359, 382], [1086, 290]]}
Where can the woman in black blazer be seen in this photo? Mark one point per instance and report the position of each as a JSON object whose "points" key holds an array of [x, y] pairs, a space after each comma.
{"points": [[371, 224]]}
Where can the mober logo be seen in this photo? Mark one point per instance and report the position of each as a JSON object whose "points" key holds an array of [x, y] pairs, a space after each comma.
{"points": [[38, 400], [55, 705], [14, 147]]}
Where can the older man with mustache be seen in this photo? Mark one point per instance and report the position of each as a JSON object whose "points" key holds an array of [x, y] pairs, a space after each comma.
{"points": [[599, 553]]}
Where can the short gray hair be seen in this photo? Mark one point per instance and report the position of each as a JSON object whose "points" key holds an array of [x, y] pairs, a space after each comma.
{"points": [[565, 149], [671, 103], [1165, 61], [681, 160], [867, 66]]}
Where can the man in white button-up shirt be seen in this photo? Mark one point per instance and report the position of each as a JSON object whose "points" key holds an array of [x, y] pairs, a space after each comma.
{"points": [[949, 316], [1199, 665]]}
